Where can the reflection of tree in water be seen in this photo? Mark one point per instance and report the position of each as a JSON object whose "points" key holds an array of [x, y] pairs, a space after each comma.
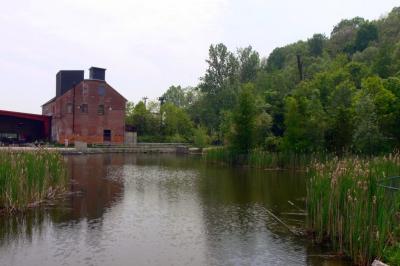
{"points": [[169, 161], [234, 211], [239, 186], [99, 180]]}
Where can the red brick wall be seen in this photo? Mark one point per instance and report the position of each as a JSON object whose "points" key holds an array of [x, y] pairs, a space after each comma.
{"points": [[88, 126]]}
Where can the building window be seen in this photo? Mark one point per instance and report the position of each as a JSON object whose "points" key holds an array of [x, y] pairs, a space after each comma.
{"points": [[100, 109], [101, 90], [85, 90], [84, 108], [69, 108]]}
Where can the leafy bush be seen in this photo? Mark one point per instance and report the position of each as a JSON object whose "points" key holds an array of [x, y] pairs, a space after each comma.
{"points": [[200, 137]]}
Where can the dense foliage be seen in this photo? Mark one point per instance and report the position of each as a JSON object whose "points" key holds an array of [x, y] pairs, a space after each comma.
{"points": [[339, 94]]}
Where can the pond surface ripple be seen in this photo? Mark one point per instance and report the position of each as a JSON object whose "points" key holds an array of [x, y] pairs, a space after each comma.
{"points": [[163, 210]]}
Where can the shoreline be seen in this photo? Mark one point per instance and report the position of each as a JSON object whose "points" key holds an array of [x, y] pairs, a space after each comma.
{"points": [[139, 148]]}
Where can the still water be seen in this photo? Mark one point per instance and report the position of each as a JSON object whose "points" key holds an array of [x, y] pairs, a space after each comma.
{"points": [[164, 210]]}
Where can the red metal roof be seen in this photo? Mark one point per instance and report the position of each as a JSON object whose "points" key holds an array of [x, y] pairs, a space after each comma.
{"points": [[42, 118], [25, 115]]}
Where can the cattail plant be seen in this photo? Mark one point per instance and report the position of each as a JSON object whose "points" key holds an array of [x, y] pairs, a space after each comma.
{"points": [[349, 205], [29, 177]]}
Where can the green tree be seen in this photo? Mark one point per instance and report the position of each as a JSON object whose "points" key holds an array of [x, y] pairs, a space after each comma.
{"points": [[339, 133], [176, 96], [274, 87], [222, 70], [316, 44], [249, 64], [367, 33], [176, 122], [304, 120], [357, 71], [367, 137], [140, 117], [384, 101], [144, 121], [262, 128], [367, 56], [244, 121], [389, 30], [276, 60], [219, 85], [129, 112], [293, 137], [383, 62], [393, 85], [344, 35]]}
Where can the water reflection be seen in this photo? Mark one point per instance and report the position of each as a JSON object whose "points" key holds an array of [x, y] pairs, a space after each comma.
{"points": [[163, 210], [98, 180]]}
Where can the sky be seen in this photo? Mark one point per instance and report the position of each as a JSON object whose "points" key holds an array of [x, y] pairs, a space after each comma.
{"points": [[147, 45]]}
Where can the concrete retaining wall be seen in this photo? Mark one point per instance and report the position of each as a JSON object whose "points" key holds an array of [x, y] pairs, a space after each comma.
{"points": [[81, 148]]}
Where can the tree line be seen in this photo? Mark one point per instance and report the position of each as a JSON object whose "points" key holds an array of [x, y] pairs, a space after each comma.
{"points": [[337, 93]]}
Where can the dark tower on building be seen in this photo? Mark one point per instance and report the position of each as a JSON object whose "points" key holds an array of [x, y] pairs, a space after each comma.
{"points": [[97, 73], [66, 79]]}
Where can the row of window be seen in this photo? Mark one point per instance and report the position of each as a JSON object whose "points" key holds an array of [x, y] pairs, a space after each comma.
{"points": [[101, 90], [85, 108]]}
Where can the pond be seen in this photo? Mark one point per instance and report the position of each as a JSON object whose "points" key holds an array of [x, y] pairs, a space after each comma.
{"points": [[164, 210]]}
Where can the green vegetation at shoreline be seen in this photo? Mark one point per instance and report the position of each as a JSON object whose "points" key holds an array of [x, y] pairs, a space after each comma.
{"points": [[258, 158], [349, 206], [27, 178]]}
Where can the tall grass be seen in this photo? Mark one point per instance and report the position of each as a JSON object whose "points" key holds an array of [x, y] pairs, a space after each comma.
{"points": [[263, 159], [28, 177], [349, 207]]}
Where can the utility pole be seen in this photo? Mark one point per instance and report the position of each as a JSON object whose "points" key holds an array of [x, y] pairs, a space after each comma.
{"points": [[73, 111], [145, 100], [161, 99]]}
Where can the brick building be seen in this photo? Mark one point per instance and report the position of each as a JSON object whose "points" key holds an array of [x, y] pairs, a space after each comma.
{"points": [[88, 110]]}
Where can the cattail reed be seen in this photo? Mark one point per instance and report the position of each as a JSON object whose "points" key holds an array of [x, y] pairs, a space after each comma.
{"points": [[349, 206], [29, 177]]}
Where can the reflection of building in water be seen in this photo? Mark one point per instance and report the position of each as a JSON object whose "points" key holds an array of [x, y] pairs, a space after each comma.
{"points": [[96, 177]]}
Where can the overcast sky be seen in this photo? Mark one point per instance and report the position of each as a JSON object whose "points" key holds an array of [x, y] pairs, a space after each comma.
{"points": [[147, 45]]}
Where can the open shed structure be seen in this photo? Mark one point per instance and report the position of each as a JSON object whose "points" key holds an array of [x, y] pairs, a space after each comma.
{"points": [[23, 127]]}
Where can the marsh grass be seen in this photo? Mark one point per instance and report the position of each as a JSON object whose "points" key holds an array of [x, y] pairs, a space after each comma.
{"points": [[258, 158], [29, 177], [348, 206]]}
